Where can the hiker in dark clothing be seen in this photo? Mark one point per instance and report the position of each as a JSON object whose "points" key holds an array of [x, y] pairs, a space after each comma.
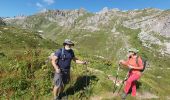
{"points": [[61, 62]]}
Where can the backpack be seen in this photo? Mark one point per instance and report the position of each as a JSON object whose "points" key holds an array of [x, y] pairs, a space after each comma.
{"points": [[144, 62], [63, 56]]}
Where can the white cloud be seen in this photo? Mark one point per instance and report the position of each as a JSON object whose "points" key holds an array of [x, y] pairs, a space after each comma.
{"points": [[39, 5], [49, 2]]}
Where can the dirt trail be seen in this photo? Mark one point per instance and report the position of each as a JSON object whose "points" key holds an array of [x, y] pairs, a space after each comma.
{"points": [[110, 95], [146, 95], [140, 96]]}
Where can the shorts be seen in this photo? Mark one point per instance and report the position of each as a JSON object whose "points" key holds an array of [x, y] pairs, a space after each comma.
{"points": [[60, 79]]}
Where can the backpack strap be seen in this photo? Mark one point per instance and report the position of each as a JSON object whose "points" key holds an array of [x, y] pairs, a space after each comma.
{"points": [[62, 51], [62, 54], [137, 60]]}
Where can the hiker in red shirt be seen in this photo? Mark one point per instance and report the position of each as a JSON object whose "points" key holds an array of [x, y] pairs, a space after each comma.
{"points": [[134, 73]]}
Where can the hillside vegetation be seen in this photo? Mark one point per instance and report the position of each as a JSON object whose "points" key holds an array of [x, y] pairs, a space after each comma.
{"points": [[102, 39]]}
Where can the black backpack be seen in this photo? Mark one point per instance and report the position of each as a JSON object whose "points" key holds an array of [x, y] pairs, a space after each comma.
{"points": [[63, 56], [144, 62]]}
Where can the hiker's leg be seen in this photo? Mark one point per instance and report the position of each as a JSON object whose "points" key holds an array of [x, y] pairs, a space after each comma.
{"points": [[56, 91], [65, 80], [61, 89], [57, 84], [128, 84], [134, 88], [132, 77]]}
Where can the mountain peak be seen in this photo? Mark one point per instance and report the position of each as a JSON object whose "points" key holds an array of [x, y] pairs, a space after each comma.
{"points": [[103, 11], [1, 21]]}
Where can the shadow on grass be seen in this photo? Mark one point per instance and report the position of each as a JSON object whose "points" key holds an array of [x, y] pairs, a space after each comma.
{"points": [[81, 83], [138, 84]]}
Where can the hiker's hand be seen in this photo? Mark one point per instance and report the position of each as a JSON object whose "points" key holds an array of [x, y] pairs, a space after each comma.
{"points": [[58, 70], [130, 67], [121, 61], [85, 63]]}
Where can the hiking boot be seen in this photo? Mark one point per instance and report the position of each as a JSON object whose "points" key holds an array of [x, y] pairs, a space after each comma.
{"points": [[65, 98], [124, 95], [58, 98]]}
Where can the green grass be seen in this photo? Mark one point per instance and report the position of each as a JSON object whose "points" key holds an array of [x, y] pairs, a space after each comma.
{"points": [[24, 73], [20, 60]]}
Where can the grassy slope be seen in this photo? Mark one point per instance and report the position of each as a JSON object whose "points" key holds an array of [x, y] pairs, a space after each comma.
{"points": [[25, 75], [95, 43], [22, 53]]}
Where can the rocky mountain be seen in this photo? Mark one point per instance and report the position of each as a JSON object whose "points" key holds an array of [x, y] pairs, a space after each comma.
{"points": [[1, 21], [57, 24], [157, 21], [154, 25], [101, 38], [61, 17]]}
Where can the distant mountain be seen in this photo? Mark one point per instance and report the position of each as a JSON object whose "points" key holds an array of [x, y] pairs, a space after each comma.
{"points": [[1, 21], [102, 38], [102, 29]]}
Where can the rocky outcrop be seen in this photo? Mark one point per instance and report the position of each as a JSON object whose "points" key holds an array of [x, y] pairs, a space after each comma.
{"points": [[148, 39], [65, 18], [2, 22], [158, 21], [101, 18], [150, 21]]}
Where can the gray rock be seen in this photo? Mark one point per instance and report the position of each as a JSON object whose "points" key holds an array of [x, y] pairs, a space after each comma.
{"points": [[2, 21]]}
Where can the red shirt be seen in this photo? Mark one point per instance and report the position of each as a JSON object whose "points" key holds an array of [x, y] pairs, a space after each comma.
{"points": [[132, 62]]}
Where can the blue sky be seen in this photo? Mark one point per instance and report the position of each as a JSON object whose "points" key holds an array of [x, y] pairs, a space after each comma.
{"points": [[10, 8]]}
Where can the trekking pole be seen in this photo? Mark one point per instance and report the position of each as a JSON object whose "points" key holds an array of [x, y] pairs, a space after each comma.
{"points": [[86, 84], [126, 77], [117, 73], [86, 81]]}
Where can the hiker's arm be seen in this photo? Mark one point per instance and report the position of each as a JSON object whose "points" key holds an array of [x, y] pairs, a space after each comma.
{"points": [[78, 61], [54, 61], [123, 62]]}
